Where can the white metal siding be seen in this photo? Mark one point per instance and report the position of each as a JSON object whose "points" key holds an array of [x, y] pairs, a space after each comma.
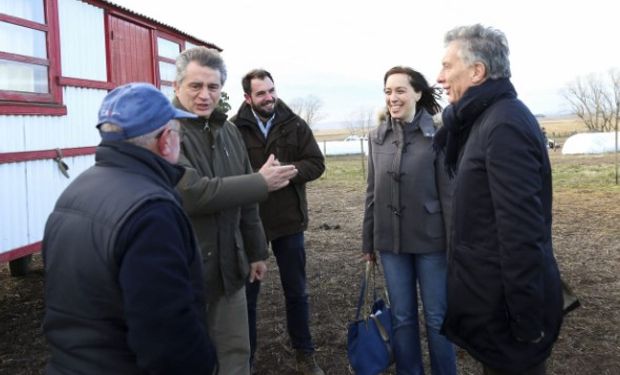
{"points": [[28, 196], [76, 129], [12, 137], [13, 212], [30, 189], [82, 40]]}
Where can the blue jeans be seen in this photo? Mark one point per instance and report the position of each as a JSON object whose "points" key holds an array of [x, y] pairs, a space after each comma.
{"points": [[402, 272], [290, 255]]}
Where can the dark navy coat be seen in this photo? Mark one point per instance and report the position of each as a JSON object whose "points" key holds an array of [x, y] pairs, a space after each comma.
{"points": [[503, 280]]}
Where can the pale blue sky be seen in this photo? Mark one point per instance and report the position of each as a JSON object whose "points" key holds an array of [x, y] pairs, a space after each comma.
{"points": [[339, 50]]}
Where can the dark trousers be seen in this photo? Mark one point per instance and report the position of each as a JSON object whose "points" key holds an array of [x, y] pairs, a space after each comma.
{"points": [[539, 369], [290, 255]]}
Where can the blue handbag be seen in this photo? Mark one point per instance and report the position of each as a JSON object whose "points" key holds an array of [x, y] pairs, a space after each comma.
{"points": [[369, 339]]}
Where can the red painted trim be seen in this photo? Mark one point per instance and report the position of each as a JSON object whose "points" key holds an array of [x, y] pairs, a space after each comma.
{"points": [[130, 18], [53, 48], [168, 60], [23, 22], [20, 252], [23, 58], [32, 109], [171, 37], [14, 102], [87, 83], [154, 53], [14, 157], [108, 47], [25, 98]]}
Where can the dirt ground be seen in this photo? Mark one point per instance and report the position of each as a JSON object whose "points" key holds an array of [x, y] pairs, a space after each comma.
{"points": [[586, 239]]}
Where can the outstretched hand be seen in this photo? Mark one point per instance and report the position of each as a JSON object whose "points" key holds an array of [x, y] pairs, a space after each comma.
{"points": [[277, 176]]}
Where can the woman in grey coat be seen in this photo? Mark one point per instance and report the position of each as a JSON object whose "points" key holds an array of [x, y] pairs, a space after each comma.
{"points": [[407, 204]]}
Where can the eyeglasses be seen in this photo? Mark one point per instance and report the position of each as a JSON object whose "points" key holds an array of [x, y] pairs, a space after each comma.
{"points": [[179, 131]]}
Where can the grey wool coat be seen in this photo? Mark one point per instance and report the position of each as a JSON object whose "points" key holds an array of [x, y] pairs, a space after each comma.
{"points": [[409, 193]]}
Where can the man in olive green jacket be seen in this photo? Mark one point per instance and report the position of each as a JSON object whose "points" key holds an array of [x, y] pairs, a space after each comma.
{"points": [[220, 194]]}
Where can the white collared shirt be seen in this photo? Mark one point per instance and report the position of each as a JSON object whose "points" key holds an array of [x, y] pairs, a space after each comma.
{"points": [[264, 127]]}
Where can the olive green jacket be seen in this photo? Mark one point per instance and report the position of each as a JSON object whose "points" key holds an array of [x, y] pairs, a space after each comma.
{"points": [[220, 195]]}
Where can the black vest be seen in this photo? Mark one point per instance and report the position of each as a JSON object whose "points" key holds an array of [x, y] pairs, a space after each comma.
{"points": [[84, 322]]}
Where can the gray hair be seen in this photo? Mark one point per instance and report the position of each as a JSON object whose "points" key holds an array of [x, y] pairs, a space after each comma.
{"points": [[486, 45], [204, 57], [144, 140]]}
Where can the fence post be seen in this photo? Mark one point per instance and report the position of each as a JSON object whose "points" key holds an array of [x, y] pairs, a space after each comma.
{"points": [[362, 158], [325, 156]]}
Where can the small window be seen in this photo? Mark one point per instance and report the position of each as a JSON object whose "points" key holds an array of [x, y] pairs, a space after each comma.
{"points": [[28, 68], [167, 48], [167, 51], [31, 10], [22, 40], [167, 71], [168, 91], [189, 45], [23, 77]]}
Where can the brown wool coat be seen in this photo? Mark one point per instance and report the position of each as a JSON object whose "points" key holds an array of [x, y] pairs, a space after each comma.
{"points": [[291, 140]]}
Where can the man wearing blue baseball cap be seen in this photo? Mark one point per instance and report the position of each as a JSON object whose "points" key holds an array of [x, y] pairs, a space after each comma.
{"points": [[124, 286]]}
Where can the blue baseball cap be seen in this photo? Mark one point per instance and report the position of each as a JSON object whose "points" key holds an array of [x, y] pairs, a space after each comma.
{"points": [[138, 108]]}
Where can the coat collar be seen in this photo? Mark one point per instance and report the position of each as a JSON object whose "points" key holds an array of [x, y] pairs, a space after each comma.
{"points": [[422, 120], [216, 119], [245, 117]]}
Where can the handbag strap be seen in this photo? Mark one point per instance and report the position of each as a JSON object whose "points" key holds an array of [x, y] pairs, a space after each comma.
{"points": [[363, 289], [386, 295]]}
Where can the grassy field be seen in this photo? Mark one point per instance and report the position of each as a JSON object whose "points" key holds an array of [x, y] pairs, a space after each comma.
{"points": [[571, 173]]}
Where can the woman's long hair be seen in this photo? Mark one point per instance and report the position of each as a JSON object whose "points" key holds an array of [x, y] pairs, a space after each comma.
{"points": [[430, 94]]}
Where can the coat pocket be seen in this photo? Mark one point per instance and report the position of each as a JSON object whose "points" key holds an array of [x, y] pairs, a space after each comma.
{"points": [[434, 222], [243, 264]]}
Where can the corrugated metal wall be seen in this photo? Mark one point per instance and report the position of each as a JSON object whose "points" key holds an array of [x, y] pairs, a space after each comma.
{"points": [[82, 40], [45, 183], [13, 215], [28, 194], [29, 190], [76, 129], [12, 137]]}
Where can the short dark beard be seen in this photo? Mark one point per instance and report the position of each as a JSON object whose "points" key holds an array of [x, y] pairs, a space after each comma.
{"points": [[264, 114]]}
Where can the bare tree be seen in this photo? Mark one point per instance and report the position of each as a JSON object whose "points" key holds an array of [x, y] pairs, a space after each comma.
{"points": [[595, 99], [308, 108], [361, 121]]}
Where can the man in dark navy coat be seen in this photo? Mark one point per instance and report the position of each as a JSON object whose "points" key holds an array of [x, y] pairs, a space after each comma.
{"points": [[504, 291]]}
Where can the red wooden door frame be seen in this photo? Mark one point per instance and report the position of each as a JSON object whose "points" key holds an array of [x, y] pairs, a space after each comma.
{"points": [[131, 52]]}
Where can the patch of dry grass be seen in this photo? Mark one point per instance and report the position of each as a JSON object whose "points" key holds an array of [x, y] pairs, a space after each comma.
{"points": [[562, 126]]}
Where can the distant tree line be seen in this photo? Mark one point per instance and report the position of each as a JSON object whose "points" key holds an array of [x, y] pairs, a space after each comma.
{"points": [[595, 99], [309, 108]]}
